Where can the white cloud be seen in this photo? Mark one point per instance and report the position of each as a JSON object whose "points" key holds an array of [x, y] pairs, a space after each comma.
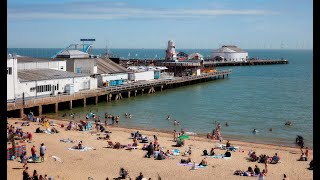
{"points": [[117, 11]]}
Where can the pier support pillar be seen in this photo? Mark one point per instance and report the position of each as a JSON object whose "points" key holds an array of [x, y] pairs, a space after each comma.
{"points": [[161, 88], [107, 98], [21, 112], [96, 100], [142, 91], [223, 76], [117, 97], [70, 105], [120, 96], [40, 110], [56, 107], [84, 102], [135, 93], [110, 96], [129, 94]]}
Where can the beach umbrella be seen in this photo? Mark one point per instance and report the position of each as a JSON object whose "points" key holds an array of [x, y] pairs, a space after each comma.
{"points": [[184, 137]]}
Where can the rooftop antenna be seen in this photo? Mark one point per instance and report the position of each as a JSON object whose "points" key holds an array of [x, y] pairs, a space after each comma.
{"points": [[107, 53]]}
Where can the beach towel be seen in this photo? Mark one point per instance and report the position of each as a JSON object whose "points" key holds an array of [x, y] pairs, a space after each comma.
{"points": [[67, 140], [83, 149], [176, 152], [190, 165], [217, 156]]}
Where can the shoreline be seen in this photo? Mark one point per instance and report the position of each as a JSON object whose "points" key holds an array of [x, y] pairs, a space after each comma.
{"points": [[199, 135]]}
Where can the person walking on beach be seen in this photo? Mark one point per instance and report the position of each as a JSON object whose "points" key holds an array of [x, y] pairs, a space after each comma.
{"points": [[174, 135], [24, 159], [42, 151]]}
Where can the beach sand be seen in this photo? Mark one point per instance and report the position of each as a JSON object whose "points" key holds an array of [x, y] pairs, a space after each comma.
{"points": [[105, 162]]}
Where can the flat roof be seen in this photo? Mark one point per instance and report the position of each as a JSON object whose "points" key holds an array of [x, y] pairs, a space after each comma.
{"points": [[45, 74], [22, 59]]}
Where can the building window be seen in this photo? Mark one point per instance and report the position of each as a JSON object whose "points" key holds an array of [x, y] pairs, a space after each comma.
{"points": [[43, 88], [9, 70], [32, 89], [61, 67]]}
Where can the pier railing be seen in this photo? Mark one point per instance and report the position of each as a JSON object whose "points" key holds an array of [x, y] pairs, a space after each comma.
{"points": [[36, 101]]}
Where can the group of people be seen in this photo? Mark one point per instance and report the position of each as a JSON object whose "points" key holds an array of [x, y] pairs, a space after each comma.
{"points": [[35, 176]]}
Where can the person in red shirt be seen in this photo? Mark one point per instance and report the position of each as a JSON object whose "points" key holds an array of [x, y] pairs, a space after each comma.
{"points": [[33, 152], [29, 136]]}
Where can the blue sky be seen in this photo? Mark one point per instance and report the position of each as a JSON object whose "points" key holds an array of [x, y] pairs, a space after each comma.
{"points": [[249, 24]]}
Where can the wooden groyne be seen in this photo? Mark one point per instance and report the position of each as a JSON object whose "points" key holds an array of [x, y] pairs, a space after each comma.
{"points": [[44, 105]]}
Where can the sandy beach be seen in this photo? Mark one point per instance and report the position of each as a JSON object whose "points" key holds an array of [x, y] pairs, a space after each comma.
{"points": [[103, 162]]}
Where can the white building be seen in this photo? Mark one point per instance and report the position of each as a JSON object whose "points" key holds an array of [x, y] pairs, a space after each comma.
{"points": [[140, 76], [25, 63], [43, 82], [229, 53], [12, 77]]}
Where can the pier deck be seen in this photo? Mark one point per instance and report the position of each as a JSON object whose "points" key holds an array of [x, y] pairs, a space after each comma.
{"points": [[107, 93]]}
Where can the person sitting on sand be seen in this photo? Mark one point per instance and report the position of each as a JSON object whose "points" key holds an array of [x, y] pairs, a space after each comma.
{"points": [[212, 152], [228, 145], [189, 152], [256, 170], [54, 130], [254, 157], [262, 175], [168, 117], [123, 173], [250, 171], [135, 142], [275, 159], [311, 165], [227, 154], [80, 145], [168, 153], [208, 135], [117, 145], [204, 162], [303, 157], [205, 152], [140, 177]]}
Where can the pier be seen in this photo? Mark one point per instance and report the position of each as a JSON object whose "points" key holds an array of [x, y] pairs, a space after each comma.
{"points": [[44, 105], [161, 62]]}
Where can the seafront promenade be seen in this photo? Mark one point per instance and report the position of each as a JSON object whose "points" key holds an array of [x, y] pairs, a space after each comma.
{"points": [[67, 101]]}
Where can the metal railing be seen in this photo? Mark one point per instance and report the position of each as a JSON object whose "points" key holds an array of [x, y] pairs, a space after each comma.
{"points": [[33, 101]]}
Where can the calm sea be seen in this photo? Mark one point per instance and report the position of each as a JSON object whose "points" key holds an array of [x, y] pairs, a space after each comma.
{"points": [[253, 97]]}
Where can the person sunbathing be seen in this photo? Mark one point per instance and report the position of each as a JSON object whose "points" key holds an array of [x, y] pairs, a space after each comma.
{"points": [[185, 161], [168, 153], [105, 138], [204, 162]]}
